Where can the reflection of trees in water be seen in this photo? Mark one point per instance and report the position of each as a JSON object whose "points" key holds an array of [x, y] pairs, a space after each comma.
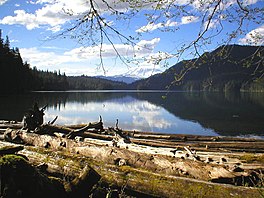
{"points": [[57, 100], [226, 113], [13, 107]]}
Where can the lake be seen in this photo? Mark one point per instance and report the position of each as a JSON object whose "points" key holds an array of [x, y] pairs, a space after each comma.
{"points": [[199, 113]]}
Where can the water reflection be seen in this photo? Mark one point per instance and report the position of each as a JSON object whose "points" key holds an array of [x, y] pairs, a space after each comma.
{"points": [[190, 113], [132, 113]]}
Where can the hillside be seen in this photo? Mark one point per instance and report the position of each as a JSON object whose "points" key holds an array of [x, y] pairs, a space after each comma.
{"points": [[227, 68], [93, 83]]}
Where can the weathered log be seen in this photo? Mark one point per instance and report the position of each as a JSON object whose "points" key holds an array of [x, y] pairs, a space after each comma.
{"points": [[187, 137], [70, 133], [97, 125], [119, 135], [82, 185], [227, 144], [136, 156], [53, 121], [10, 124]]}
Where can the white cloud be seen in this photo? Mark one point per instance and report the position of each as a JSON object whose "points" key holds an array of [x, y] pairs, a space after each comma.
{"points": [[44, 1], [43, 59], [52, 14], [144, 47], [152, 26], [2, 2], [254, 37], [212, 24], [22, 18], [84, 55], [55, 13], [189, 19], [249, 2], [55, 29]]}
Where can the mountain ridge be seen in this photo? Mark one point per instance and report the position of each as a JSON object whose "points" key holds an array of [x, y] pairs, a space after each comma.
{"points": [[227, 68]]}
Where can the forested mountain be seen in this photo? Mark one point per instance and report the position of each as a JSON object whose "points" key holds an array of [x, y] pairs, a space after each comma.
{"points": [[232, 67], [92, 83], [49, 81]]}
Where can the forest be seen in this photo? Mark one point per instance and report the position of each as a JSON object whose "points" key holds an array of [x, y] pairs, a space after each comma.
{"points": [[17, 76]]}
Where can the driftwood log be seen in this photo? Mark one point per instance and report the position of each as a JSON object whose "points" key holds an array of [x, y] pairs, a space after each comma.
{"points": [[142, 156], [217, 159]]}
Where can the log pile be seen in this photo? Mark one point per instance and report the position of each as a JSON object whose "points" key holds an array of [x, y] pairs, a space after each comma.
{"points": [[230, 160]]}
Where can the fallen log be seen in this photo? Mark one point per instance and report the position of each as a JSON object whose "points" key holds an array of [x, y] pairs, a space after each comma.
{"points": [[158, 164], [135, 155], [82, 185], [50, 129], [78, 132]]}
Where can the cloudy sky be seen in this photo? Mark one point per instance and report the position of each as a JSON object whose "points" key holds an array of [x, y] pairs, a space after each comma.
{"points": [[32, 25]]}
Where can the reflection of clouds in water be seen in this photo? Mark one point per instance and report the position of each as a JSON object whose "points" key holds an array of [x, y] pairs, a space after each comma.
{"points": [[140, 106], [132, 114], [139, 113], [146, 113], [152, 120], [62, 119]]}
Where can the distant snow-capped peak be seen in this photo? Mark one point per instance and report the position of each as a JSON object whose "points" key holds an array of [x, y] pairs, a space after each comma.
{"points": [[142, 72], [133, 75]]}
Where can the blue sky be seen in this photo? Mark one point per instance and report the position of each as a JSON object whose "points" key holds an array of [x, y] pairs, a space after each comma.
{"points": [[29, 23]]}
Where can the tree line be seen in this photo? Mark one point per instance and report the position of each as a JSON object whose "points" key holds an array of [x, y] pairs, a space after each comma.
{"points": [[17, 76]]}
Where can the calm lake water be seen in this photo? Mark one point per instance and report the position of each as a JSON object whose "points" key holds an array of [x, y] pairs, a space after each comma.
{"points": [[197, 113]]}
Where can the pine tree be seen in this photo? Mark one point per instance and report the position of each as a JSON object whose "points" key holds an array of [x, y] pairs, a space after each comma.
{"points": [[1, 40], [7, 43]]}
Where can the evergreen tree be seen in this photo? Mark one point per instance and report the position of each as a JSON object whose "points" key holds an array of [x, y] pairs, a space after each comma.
{"points": [[7, 43]]}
